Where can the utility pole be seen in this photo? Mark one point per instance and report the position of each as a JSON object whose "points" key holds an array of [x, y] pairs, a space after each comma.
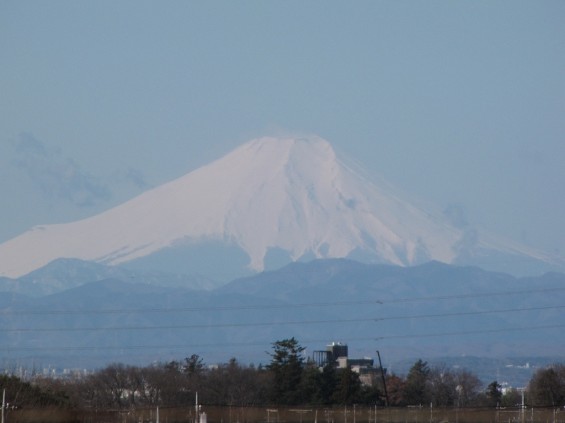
{"points": [[383, 377], [523, 407], [196, 413], [3, 403]]}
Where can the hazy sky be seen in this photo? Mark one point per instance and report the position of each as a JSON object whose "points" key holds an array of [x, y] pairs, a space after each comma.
{"points": [[461, 104]]}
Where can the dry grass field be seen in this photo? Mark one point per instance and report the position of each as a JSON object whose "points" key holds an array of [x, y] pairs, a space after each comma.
{"points": [[294, 415]]}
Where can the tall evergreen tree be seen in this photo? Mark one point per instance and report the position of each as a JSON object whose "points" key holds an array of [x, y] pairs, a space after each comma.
{"points": [[415, 388], [328, 383], [311, 385], [348, 387], [287, 366], [494, 393]]}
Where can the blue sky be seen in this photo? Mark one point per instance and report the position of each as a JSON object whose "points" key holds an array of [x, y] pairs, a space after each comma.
{"points": [[460, 104]]}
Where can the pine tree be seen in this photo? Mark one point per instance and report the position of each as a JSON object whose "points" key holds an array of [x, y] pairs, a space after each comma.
{"points": [[287, 365], [415, 388]]}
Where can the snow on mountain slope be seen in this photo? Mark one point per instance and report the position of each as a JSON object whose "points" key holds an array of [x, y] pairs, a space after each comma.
{"points": [[287, 193]]}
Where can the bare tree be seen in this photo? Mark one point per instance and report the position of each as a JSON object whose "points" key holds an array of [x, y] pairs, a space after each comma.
{"points": [[547, 386], [442, 387], [468, 387]]}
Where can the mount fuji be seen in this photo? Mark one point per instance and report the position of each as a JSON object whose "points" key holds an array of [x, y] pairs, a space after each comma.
{"points": [[291, 195]]}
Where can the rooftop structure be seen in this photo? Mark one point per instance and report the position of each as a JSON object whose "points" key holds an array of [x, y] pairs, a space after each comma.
{"points": [[337, 355]]}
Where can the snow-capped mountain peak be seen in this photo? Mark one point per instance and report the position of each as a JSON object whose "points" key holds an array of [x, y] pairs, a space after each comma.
{"points": [[292, 194]]}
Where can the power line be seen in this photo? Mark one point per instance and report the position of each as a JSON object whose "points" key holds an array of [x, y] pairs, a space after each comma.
{"points": [[470, 313], [471, 332], [191, 309], [34, 349], [277, 323], [273, 306], [250, 344], [473, 295]]}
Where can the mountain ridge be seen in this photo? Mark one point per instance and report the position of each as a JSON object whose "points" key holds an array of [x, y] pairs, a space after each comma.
{"points": [[63, 274], [431, 310]]}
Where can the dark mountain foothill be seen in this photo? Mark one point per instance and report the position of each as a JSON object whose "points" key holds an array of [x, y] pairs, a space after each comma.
{"points": [[436, 311]]}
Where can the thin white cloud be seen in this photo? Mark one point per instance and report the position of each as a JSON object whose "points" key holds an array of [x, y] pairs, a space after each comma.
{"points": [[55, 176]]}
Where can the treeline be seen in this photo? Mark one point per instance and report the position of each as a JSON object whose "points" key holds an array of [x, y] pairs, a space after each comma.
{"points": [[289, 379], [33, 395]]}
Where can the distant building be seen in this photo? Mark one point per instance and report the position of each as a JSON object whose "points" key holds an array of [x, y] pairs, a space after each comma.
{"points": [[331, 354], [336, 354]]}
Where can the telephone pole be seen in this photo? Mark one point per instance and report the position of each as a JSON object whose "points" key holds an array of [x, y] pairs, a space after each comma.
{"points": [[3, 403], [383, 377]]}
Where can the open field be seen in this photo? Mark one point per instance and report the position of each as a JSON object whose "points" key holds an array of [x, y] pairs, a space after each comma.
{"points": [[294, 415]]}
